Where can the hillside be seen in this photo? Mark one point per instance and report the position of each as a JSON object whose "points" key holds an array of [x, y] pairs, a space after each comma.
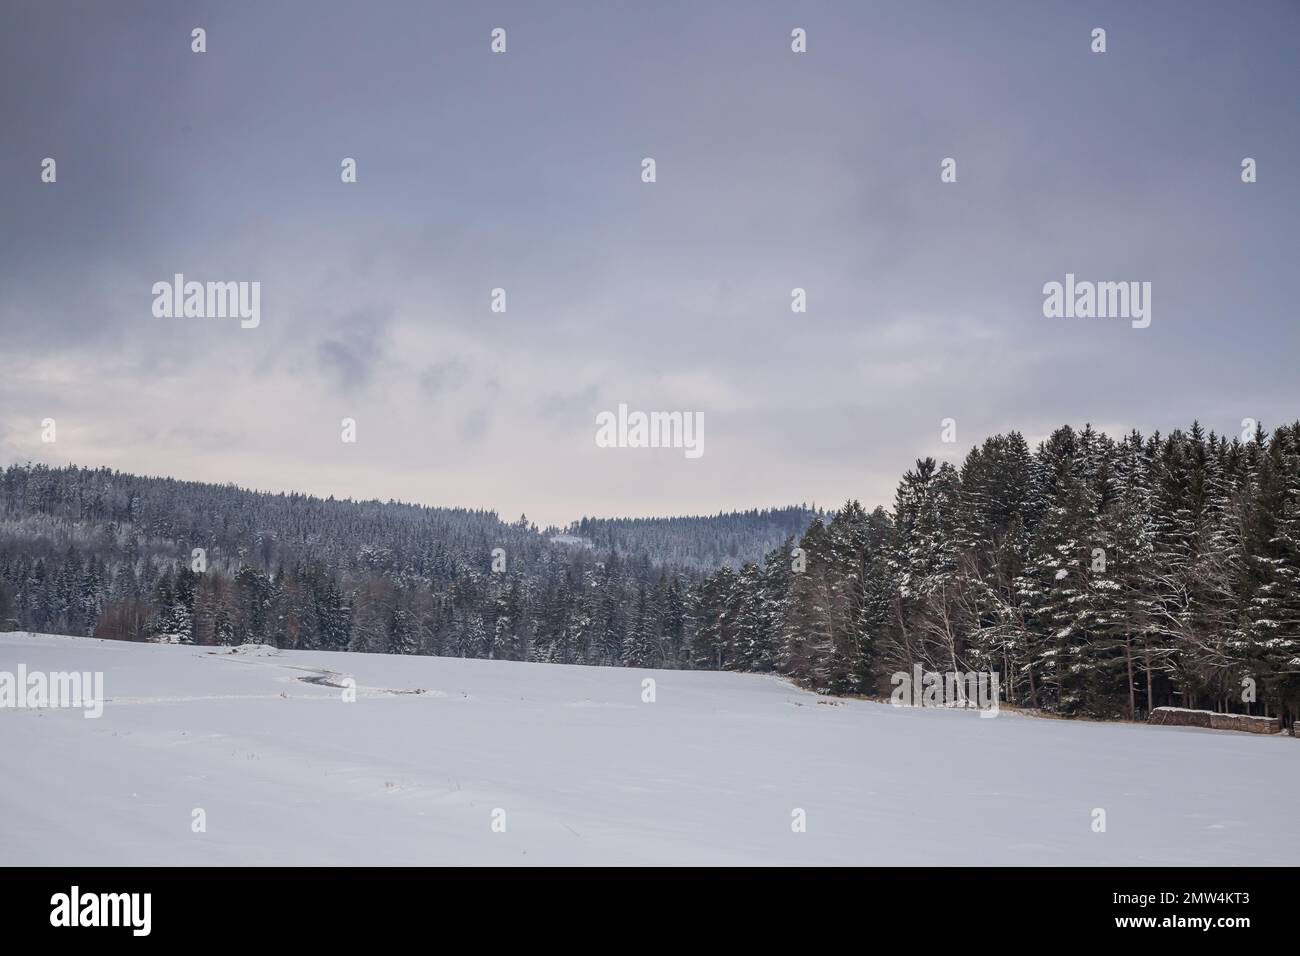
{"points": [[703, 542]]}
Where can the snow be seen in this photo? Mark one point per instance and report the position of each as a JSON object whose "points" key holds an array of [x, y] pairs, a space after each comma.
{"points": [[710, 773], [1194, 710]]}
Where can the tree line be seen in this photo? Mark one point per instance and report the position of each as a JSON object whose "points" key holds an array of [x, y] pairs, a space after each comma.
{"points": [[1097, 577]]}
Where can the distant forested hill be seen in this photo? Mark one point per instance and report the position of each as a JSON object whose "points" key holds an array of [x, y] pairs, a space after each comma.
{"points": [[704, 541], [95, 551]]}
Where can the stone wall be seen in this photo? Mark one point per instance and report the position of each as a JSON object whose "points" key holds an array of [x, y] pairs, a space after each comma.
{"points": [[1182, 717]]}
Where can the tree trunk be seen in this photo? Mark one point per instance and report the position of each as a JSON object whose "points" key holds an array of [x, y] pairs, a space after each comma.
{"points": [[1151, 702], [1128, 661]]}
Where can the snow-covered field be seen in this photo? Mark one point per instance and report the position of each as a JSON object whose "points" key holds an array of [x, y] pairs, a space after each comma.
{"points": [[709, 773]]}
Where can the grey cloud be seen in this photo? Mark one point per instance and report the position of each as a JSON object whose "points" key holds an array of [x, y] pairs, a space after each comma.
{"points": [[353, 350], [444, 376]]}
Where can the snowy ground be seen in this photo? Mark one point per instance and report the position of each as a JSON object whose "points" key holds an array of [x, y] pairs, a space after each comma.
{"points": [[709, 773]]}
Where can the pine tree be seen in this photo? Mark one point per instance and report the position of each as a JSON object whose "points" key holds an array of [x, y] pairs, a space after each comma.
{"points": [[640, 641]]}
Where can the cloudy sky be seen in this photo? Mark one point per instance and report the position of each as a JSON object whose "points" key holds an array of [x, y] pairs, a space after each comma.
{"points": [[522, 171]]}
